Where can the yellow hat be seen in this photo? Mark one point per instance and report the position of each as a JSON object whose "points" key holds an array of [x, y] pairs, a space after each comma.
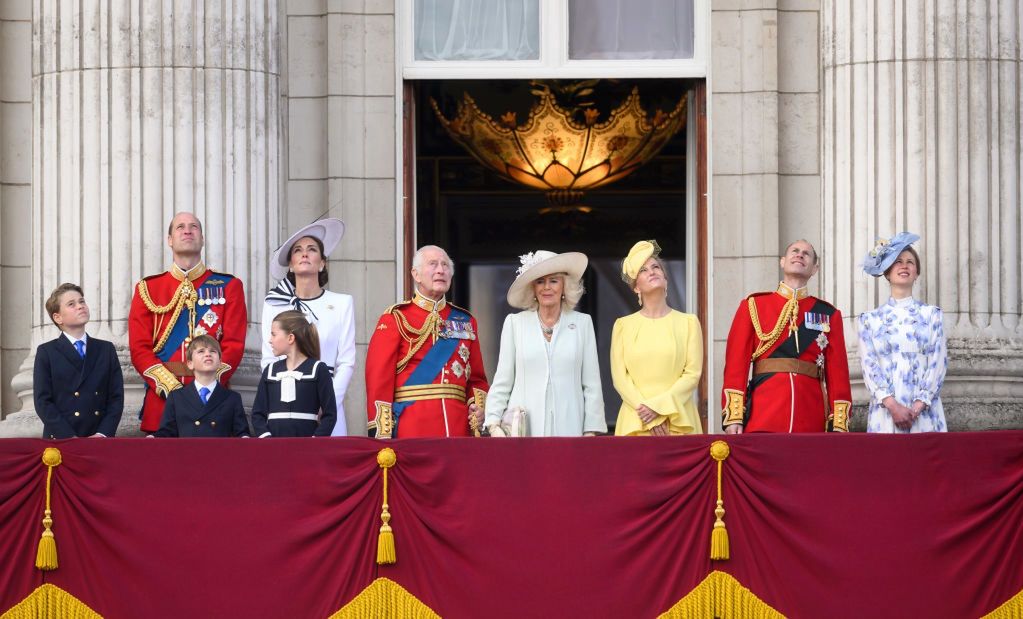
{"points": [[638, 255]]}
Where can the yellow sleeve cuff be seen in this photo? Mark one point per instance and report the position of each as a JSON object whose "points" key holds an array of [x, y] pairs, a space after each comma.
{"points": [[164, 379], [384, 420], [735, 408], [840, 416]]}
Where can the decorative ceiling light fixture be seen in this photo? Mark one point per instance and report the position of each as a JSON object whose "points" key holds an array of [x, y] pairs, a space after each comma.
{"points": [[555, 153]]}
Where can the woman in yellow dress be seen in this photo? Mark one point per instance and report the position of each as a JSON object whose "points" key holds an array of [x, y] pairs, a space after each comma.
{"points": [[656, 354]]}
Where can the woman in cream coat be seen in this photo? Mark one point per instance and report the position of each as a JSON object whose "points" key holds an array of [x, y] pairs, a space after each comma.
{"points": [[548, 360], [656, 354]]}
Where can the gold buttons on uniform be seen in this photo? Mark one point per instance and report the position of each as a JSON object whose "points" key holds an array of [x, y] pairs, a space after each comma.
{"points": [[196, 423], [76, 394], [77, 413], [97, 413], [213, 423]]}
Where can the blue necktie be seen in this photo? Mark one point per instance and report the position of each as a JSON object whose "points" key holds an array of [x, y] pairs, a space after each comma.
{"points": [[80, 346], [204, 394]]}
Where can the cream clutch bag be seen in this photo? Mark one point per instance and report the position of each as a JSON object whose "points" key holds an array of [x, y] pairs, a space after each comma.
{"points": [[514, 422]]}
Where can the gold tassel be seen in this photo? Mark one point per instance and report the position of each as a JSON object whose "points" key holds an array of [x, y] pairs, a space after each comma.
{"points": [[46, 556], [385, 543], [719, 550]]}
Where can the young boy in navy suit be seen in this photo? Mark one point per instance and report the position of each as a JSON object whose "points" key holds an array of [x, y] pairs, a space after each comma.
{"points": [[204, 407], [77, 383]]}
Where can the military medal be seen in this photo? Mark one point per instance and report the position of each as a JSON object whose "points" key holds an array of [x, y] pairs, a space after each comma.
{"points": [[816, 321]]}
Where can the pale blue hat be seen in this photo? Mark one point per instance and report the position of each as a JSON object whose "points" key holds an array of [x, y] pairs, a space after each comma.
{"points": [[886, 251]]}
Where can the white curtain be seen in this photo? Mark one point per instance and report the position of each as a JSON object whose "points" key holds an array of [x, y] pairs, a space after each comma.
{"points": [[477, 29], [630, 29]]}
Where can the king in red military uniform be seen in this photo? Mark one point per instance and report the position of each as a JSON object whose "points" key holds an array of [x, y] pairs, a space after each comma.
{"points": [[796, 347], [424, 369], [168, 309]]}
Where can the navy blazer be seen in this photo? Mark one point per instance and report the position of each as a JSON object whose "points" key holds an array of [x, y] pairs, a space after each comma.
{"points": [[75, 396], [185, 415]]}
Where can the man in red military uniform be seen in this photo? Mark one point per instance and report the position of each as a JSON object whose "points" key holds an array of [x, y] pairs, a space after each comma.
{"points": [[795, 345], [171, 308], [424, 369]]}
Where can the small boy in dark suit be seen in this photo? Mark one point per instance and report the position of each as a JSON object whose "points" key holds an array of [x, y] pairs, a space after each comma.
{"points": [[204, 407], [77, 383]]}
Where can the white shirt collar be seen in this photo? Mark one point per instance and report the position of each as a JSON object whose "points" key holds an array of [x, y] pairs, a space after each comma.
{"points": [[211, 387], [84, 340]]}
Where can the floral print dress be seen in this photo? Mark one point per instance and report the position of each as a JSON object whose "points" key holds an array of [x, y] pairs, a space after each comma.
{"points": [[902, 349]]}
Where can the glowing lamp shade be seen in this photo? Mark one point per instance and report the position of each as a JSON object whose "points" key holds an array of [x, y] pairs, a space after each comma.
{"points": [[554, 153]]}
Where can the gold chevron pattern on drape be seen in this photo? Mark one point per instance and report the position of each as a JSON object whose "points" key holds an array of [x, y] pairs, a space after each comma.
{"points": [[721, 595], [50, 602], [385, 598], [1012, 609]]}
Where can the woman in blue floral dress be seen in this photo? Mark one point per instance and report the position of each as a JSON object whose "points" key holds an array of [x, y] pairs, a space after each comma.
{"points": [[902, 346]]}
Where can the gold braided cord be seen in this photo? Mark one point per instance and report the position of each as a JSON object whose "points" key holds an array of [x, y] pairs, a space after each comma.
{"points": [[184, 296], [788, 315], [385, 598], [721, 595], [416, 337], [50, 602], [151, 305]]}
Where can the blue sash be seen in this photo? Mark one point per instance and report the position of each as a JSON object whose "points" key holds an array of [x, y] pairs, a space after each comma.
{"points": [[432, 363], [181, 328]]}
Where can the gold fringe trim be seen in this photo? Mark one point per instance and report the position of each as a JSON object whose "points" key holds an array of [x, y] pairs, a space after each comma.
{"points": [[385, 598], [50, 602], [1011, 609], [46, 554], [721, 595], [719, 550], [386, 458]]}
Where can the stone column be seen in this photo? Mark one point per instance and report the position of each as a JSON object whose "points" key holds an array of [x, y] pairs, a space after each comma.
{"points": [[15, 190], [140, 109], [921, 132], [341, 127]]}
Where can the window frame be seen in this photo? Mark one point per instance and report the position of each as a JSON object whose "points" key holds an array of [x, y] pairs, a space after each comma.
{"points": [[553, 62]]}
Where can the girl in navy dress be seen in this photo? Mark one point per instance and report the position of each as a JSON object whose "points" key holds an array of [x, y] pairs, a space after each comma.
{"points": [[295, 396]]}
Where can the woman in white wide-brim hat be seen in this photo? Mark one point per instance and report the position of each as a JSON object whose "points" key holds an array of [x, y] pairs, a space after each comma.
{"points": [[548, 361], [902, 346], [300, 263], [656, 354]]}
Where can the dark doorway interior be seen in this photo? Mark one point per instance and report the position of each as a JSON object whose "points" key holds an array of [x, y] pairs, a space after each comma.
{"points": [[486, 222]]}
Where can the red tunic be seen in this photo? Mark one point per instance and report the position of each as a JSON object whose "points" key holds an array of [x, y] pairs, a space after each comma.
{"points": [[444, 416], [787, 401], [225, 321]]}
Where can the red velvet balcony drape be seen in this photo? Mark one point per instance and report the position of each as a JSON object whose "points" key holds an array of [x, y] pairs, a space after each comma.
{"points": [[820, 526]]}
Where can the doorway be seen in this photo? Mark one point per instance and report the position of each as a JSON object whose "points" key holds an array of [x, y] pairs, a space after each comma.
{"points": [[485, 222]]}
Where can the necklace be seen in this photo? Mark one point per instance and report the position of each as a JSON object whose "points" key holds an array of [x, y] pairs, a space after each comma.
{"points": [[547, 331]]}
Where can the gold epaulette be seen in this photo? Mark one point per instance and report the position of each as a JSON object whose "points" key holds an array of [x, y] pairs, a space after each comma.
{"points": [[390, 310]]}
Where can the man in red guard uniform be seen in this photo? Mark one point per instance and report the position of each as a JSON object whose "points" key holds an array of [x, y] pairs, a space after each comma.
{"points": [[794, 343], [424, 369], [171, 308]]}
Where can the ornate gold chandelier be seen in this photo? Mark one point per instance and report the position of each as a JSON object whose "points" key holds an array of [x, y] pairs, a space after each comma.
{"points": [[556, 154]]}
